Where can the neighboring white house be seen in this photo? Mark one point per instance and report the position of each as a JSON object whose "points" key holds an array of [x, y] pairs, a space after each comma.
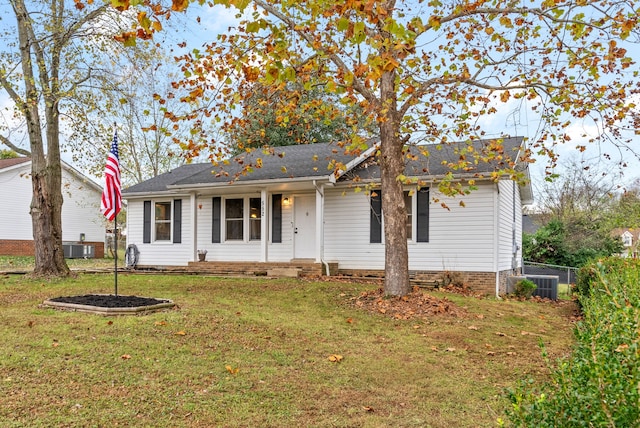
{"points": [[295, 204], [630, 240], [81, 217]]}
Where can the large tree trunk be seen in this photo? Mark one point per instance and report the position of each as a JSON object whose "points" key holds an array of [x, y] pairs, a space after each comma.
{"points": [[396, 271], [46, 174], [46, 220]]}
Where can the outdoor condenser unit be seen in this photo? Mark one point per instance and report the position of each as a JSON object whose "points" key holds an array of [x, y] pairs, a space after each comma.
{"points": [[547, 285]]}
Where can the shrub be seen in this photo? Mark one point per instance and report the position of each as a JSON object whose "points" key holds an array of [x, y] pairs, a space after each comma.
{"points": [[524, 288], [599, 384], [589, 276]]}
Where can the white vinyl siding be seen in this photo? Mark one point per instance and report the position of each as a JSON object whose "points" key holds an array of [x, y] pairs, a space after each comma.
{"points": [[80, 208], [460, 238], [240, 250], [510, 221], [159, 253]]}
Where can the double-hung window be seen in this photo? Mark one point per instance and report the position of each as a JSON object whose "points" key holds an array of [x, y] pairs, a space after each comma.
{"points": [[162, 221], [237, 219], [234, 219], [417, 221]]}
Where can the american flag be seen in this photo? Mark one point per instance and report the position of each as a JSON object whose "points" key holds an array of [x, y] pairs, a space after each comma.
{"points": [[111, 203]]}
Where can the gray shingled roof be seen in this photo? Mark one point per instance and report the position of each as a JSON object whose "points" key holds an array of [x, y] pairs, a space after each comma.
{"points": [[298, 161], [435, 163], [160, 183], [311, 161]]}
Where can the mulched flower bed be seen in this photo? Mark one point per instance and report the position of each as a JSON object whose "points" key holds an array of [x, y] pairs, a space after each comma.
{"points": [[109, 300], [108, 304]]}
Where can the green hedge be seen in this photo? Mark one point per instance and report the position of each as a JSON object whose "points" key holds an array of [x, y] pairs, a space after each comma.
{"points": [[599, 384], [590, 276]]}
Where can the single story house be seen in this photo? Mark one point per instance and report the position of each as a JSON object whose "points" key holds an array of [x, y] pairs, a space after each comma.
{"points": [[311, 202], [82, 222]]}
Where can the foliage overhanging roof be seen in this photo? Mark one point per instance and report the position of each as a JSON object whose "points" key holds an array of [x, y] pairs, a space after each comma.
{"points": [[318, 161]]}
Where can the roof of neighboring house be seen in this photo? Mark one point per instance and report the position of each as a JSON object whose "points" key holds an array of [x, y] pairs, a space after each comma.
{"points": [[634, 232], [6, 163], [530, 224], [318, 161]]}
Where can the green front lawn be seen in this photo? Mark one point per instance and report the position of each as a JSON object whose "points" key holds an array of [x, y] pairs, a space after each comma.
{"points": [[263, 353]]}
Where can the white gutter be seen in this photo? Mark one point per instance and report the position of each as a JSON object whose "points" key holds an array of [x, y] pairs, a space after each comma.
{"points": [[263, 182]]}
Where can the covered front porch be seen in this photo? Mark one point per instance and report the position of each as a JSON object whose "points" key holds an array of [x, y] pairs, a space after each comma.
{"points": [[294, 268]]}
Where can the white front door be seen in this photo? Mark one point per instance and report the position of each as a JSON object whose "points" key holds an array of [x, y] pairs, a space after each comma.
{"points": [[304, 227]]}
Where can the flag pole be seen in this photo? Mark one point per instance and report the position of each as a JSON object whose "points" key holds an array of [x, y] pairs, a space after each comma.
{"points": [[110, 203], [115, 252], [115, 231]]}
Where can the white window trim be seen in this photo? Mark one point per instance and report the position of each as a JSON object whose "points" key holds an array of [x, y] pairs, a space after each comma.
{"points": [[246, 221], [154, 221], [414, 216]]}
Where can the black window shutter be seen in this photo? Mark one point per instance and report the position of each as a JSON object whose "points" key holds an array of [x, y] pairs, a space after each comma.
{"points": [[423, 216], [146, 225], [375, 231], [217, 210], [177, 221], [276, 218]]}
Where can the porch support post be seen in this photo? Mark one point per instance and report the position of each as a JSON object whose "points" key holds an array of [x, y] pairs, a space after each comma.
{"points": [[264, 225], [194, 225], [319, 222]]}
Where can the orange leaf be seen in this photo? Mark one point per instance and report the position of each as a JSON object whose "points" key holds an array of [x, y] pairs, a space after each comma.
{"points": [[180, 333], [231, 369], [179, 5], [126, 357], [335, 358]]}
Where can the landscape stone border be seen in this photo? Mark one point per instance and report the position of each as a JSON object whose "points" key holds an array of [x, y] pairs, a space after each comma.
{"points": [[107, 311]]}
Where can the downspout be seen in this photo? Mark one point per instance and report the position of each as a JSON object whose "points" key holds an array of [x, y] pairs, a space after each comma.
{"points": [[496, 237], [320, 191]]}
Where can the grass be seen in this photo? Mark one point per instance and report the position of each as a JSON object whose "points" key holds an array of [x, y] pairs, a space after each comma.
{"points": [[249, 352], [26, 263]]}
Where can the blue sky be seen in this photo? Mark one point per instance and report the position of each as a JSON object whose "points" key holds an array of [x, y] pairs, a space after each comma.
{"points": [[513, 118]]}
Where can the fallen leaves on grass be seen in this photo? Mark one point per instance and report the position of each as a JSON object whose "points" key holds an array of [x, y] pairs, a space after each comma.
{"points": [[335, 358], [416, 304], [232, 370]]}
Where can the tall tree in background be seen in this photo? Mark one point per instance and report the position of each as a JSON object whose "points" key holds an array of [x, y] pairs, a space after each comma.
{"points": [[51, 59], [576, 210], [129, 87], [45, 68], [626, 208], [427, 71], [273, 117]]}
